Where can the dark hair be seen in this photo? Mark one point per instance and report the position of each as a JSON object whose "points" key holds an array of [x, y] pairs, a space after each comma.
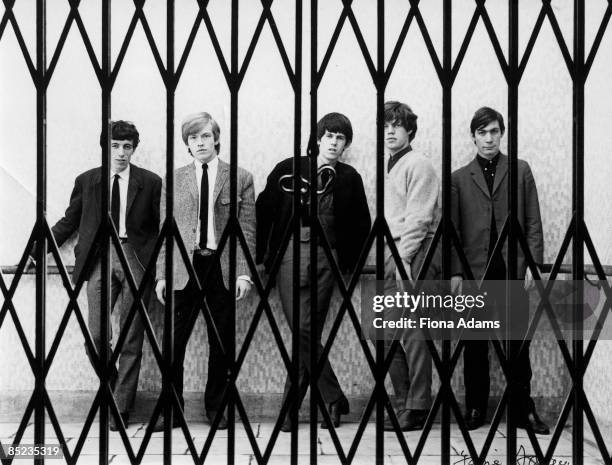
{"points": [[122, 130], [335, 122], [485, 116], [403, 114], [194, 123]]}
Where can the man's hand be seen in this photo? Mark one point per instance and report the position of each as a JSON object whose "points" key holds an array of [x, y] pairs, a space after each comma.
{"points": [[242, 288], [456, 285], [160, 291]]}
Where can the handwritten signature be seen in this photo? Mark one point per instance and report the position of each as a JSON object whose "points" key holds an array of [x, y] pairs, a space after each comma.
{"points": [[522, 458]]}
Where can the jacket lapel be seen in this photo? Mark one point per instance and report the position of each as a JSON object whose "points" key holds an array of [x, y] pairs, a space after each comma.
{"points": [[222, 174], [478, 177], [97, 186], [190, 182], [500, 172], [134, 185]]}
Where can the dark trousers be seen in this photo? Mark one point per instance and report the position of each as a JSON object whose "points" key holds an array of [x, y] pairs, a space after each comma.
{"points": [[126, 376], [476, 366], [477, 379], [410, 370], [187, 305], [328, 383]]}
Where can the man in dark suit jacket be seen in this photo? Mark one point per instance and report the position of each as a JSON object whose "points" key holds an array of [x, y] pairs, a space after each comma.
{"points": [[202, 211], [479, 210], [345, 217], [135, 194]]}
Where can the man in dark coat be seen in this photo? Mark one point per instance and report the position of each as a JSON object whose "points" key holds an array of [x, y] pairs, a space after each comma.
{"points": [[479, 210], [345, 218], [135, 195]]}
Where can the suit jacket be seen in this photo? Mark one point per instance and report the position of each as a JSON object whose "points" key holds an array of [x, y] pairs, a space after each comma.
{"points": [[84, 214], [472, 206], [186, 214], [351, 213]]}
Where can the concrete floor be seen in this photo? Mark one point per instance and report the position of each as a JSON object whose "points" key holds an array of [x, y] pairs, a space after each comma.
{"points": [[326, 451]]}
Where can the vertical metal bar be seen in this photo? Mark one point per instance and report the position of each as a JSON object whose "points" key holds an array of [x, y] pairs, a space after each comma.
{"points": [[314, 307], [41, 212], [105, 225], [447, 102], [380, 213], [512, 272], [168, 341], [578, 242], [314, 265], [230, 345], [294, 371]]}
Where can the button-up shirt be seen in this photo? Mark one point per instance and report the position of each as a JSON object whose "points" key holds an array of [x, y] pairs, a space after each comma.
{"points": [[497, 270], [211, 243], [488, 169], [393, 159], [124, 180]]}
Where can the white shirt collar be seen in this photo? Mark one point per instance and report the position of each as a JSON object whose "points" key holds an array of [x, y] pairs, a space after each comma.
{"points": [[125, 174], [212, 164]]}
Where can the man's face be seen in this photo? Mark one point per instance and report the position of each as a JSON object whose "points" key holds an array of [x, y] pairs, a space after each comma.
{"points": [[202, 144], [121, 153], [331, 146], [397, 137], [487, 139]]}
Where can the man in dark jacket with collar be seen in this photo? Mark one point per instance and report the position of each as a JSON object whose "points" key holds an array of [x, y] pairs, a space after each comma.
{"points": [[345, 218], [135, 195], [479, 210]]}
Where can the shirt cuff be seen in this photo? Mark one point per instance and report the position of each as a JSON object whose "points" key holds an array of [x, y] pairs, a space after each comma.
{"points": [[246, 278]]}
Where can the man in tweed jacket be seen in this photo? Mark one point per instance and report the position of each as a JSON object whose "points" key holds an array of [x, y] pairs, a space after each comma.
{"points": [[202, 212]]}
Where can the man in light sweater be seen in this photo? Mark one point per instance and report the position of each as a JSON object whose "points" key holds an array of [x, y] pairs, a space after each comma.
{"points": [[412, 210]]}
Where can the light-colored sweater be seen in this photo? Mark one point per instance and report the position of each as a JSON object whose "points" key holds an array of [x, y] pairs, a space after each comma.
{"points": [[412, 202]]}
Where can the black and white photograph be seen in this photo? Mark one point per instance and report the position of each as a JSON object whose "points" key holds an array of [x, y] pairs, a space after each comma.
{"points": [[306, 231]]}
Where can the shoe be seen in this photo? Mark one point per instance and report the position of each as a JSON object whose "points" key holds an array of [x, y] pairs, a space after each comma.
{"points": [[222, 423], [537, 425], [409, 420], [125, 417], [161, 423], [336, 409], [474, 419]]}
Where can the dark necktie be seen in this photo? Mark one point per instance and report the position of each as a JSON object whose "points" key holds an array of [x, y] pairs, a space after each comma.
{"points": [[115, 202], [204, 207]]}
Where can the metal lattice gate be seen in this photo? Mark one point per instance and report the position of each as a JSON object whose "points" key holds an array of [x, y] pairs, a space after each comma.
{"points": [[579, 62]]}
